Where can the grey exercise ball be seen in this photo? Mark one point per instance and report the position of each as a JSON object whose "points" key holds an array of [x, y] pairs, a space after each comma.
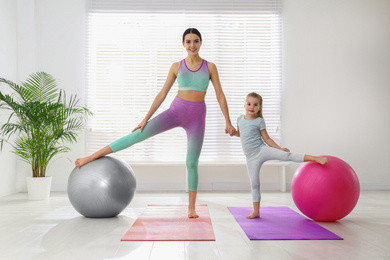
{"points": [[102, 188]]}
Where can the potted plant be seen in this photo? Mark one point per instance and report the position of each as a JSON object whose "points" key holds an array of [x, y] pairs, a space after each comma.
{"points": [[42, 120]]}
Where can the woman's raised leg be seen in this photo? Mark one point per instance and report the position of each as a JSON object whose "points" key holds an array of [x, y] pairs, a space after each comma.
{"points": [[159, 124]]}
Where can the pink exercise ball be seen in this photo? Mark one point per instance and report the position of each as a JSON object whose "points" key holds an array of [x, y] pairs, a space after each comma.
{"points": [[325, 192]]}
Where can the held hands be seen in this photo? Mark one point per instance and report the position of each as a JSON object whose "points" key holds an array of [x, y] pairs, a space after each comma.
{"points": [[141, 126], [229, 129]]}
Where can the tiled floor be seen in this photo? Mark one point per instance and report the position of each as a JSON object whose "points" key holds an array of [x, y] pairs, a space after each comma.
{"points": [[52, 229]]}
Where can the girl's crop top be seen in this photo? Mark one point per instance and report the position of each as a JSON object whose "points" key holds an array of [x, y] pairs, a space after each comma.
{"points": [[193, 80]]}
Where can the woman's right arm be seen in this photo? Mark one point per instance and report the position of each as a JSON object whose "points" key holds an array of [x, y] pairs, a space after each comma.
{"points": [[172, 74]]}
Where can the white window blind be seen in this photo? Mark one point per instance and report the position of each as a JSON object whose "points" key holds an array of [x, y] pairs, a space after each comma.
{"points": [[131, 46]]}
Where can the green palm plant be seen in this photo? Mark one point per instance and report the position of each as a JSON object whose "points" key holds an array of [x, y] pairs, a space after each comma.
{"points": [[42, 119]]}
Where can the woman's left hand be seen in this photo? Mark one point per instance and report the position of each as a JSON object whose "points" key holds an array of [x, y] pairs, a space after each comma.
{"points": [[229, 129]]}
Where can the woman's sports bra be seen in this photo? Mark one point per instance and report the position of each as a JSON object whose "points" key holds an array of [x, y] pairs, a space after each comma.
{"points": [[193, 80]]}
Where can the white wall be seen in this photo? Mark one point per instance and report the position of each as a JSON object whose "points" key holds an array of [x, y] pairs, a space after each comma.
{"points": [[61, 48], [335, 81], [48, 36], [8, 70]]}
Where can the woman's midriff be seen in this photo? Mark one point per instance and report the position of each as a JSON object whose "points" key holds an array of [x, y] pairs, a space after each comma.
{"points": [[191, 95]]}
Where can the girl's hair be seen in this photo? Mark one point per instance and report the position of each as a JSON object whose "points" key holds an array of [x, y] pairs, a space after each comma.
{"points": [[255, 95], [192, 30]]}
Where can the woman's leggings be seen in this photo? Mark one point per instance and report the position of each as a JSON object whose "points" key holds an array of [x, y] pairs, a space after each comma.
{"points": [[189, 115], [256, 160]]}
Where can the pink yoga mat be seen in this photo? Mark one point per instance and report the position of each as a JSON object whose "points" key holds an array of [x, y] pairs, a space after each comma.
{"points": [[171, 223], [279, 223]]}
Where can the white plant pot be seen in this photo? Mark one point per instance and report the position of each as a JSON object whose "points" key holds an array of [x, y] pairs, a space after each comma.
{"points": [[38, 187]]}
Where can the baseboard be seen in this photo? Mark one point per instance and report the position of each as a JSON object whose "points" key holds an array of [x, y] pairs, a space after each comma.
{"points": [[3, 194], [219, 186], [59, 187], [374, 186], [367, 186]]}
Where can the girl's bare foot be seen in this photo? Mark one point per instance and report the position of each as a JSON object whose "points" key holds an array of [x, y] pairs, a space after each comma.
{"points": [[317, 159], [253, 215], [322, 160], [192, 213], [82, 161]]}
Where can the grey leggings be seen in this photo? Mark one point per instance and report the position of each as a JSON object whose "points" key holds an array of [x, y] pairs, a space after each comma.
{"points": [[256, 160]]}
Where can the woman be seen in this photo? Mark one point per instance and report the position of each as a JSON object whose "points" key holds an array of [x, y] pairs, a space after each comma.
{"points": [[188, 110]]}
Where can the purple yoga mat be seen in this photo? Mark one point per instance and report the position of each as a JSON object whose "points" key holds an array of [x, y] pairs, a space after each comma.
{"points": [[280, 223]]}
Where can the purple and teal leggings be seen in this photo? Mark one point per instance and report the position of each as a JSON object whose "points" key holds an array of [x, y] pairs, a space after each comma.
{"points": [[189, 115]]}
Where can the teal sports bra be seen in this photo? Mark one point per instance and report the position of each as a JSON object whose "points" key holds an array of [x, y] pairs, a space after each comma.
{"points": [[193, 80]]}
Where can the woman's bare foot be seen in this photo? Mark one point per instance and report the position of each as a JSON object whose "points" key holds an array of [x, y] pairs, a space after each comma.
{"points": [[191, 204], [82, 161], [102, 152], [192, 213], [253, 215]]}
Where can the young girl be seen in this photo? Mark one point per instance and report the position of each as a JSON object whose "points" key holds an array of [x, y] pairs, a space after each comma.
{"points": [[188, 110], [253, 135]]}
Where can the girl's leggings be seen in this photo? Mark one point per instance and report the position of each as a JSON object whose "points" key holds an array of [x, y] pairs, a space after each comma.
{"points": [[256, 160], [189, 115]]}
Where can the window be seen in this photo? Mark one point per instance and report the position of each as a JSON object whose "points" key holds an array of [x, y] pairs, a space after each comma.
{"points": [[131, 46]]}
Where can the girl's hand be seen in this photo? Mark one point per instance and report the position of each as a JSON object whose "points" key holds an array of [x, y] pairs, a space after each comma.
{"points": [[141, 126], [286, 149], [229, 129]]}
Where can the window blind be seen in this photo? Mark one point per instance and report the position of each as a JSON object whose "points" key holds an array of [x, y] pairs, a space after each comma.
{"points": [[131, 46]]}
